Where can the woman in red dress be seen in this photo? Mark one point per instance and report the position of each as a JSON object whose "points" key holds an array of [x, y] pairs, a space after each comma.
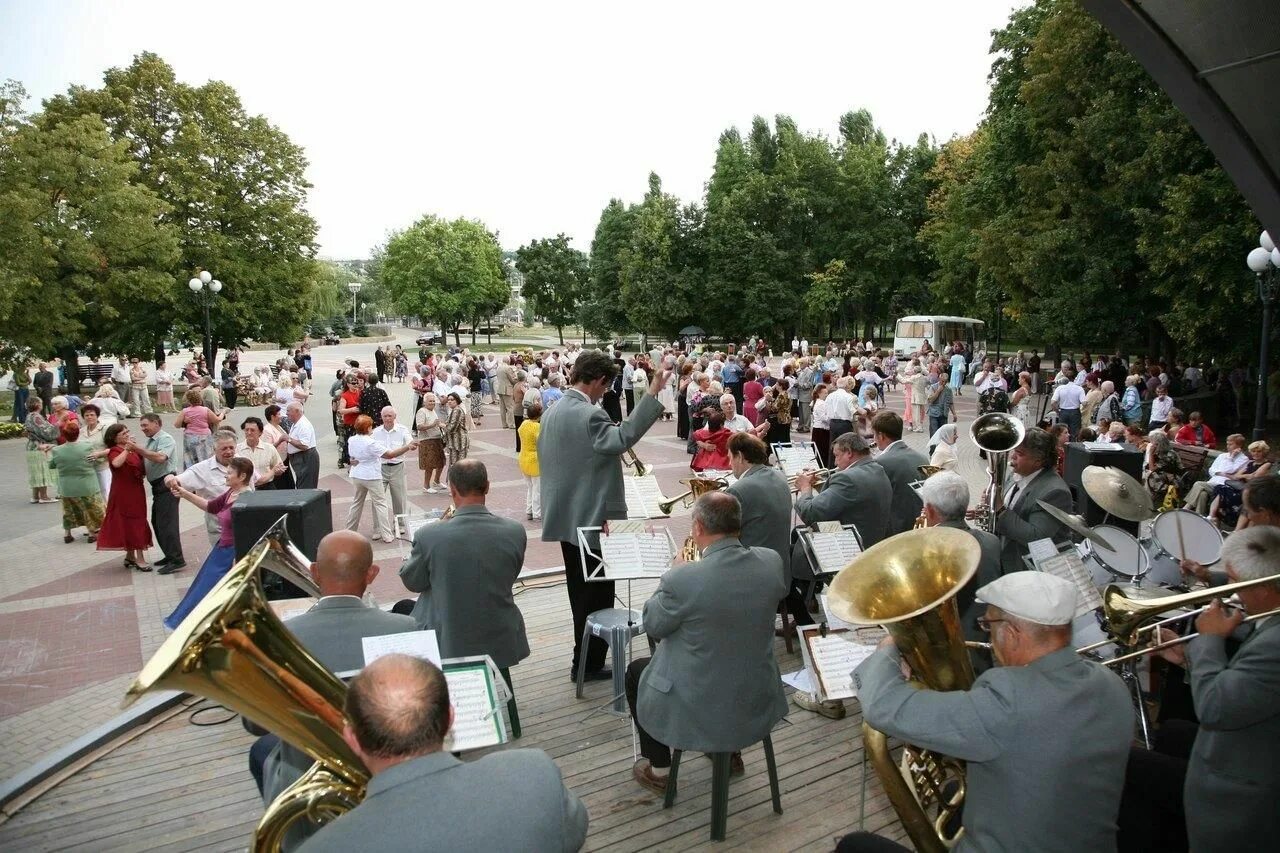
{"points": [[752, 391], [125, 527]]}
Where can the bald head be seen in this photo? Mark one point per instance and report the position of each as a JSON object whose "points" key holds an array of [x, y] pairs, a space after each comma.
{"points": [[344, 564], [397, 708]]}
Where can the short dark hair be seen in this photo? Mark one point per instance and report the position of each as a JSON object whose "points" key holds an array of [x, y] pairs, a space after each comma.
{"points": [[719, 513], [90, 407], [252, 420], [1042, 445], [591, 366], [109, 437], [150, 416], [398, 706], [242, 466], [271, 411], [751, 448], [533, 412], [1263, 494], [469, 477], [888, 424]]}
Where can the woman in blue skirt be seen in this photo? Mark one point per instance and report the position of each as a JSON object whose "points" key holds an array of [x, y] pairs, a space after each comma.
{"points": [[221, 558]]}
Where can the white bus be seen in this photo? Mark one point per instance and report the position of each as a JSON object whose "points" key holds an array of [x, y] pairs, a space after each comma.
{"points": [[911, 333]]}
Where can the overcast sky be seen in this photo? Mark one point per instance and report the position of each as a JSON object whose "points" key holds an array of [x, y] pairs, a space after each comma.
{"points": [[527, 116]]}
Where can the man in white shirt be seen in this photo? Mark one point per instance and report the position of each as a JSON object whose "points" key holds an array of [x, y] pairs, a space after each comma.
{"points": [[1067, 399], [735, 422], [267, 464], [795, 344], [1161, 405], [304, 459], [120, 377], [840, 407], [208, 478], [804, 346], [392, 436], [628, 390]]}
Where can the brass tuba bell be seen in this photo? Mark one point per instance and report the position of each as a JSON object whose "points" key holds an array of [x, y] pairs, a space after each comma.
{"points": [[234, 650], [908, 584]]}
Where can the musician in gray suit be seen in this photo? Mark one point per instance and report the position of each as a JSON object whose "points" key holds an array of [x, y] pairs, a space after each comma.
{"points": [[332, 631], [579, 450], [421, 797], [901, 465], [712, 685], [765, 498], [1022, 520], [464, 569], [1046, 733], [1232, 788], [946, 498]]}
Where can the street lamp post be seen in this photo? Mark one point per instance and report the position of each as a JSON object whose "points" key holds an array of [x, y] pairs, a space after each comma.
{"points": [[1264, 261], [206, 287], [354, 287]]}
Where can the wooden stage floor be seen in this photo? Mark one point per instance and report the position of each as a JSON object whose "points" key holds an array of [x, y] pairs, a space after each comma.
{"points": [[177, 786]]}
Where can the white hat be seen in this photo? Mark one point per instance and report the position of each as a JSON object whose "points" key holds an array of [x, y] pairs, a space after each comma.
{"points": [[1034, 596]]}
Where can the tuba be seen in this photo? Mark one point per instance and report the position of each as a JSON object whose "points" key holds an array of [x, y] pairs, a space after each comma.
{"points": [[997, 434], [908, 584], [234, 650]]}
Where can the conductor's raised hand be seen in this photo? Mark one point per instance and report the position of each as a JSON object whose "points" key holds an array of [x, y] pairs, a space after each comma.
{"points": [[660, 379]]}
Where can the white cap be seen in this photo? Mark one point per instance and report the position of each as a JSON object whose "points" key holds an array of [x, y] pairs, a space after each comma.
{"points": [[1034, 596]]}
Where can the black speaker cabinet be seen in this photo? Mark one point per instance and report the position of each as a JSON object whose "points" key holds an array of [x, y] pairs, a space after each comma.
{"points": [[310, 519], [1079, 457]]}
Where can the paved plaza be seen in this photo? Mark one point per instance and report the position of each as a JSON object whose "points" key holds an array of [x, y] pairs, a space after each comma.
{"points": [[76, 626]]}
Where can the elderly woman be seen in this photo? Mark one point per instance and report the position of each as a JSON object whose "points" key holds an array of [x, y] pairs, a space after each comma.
{"points": [[456, 430], [475, 383], [532, 394], [431, 443], [92, 432], [1227, 496], [124, 527], [164, 388], [60, 413], [41, 436], [366, 455], [197, 422], [1162, 467], [942, 447], [110, 407], [78, 485]]}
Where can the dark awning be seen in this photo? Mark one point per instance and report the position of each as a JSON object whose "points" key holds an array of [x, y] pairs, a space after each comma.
{"points": [[693, 332]]}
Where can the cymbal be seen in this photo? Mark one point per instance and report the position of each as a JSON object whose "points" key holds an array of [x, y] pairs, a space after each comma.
{"points": [[1117, 493], [1075, 524]]}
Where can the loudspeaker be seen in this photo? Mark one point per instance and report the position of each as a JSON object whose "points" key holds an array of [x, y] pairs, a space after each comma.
{"points": [[1079, 457], [310, 519]]}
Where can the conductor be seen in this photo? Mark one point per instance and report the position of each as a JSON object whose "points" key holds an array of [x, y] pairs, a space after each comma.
{"points": [[579, 451]]}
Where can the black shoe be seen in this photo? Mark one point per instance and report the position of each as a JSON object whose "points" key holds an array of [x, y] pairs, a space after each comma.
{"points": [[592, 675], [170, 568], [163, 561]]}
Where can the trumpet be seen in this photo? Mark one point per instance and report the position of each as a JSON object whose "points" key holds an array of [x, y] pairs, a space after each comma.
{"points": [[698, 486], [639, 468], [820, 477]]}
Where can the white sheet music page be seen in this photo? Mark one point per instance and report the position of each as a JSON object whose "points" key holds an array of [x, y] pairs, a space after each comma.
{"points": [[418, 644], [1068, 566], [635, 555], [643, 496], [832, 659], [1041, 549], [476, 720], [795, 457], [834, 550]]}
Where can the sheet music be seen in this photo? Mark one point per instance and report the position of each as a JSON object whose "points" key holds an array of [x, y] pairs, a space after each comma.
{"points": [[835, 550], [636, 555], [1042, 549], [418, 644], [832, 659], [833, 621], [409, 524], [287, 608], [1102, 445], [643, 496], [796, 457], [1068, 566], [477, 722]]}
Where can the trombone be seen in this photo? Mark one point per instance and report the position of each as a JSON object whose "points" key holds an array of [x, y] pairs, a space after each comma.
{"points": [[633, 461], [698, 486], [820, 477]]}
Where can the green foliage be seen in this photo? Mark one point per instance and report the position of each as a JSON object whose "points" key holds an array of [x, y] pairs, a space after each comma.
{"points": [[601, 312], [555, 275], [338, 323], [657, 285], [9, 429], [448, 271], [360, 329]]}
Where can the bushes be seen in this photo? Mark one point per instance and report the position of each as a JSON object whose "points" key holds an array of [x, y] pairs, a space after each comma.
{"points": [[8, 429]]}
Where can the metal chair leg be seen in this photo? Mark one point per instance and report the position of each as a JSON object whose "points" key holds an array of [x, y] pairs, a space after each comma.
{"points": [[620, 641], [773, 775], [669, 799], [786, 630], [582, 656], [719, 794], [512, 714]]}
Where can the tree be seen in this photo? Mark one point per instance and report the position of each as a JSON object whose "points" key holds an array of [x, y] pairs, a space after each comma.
{"points": [[601, 311], [235, 191], [446, 270], [85, 254], [555, 275], [655, 290]]}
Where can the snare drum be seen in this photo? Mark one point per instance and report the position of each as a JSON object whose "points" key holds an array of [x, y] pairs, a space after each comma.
{"points": [[1202, 538], [1123, 562]]}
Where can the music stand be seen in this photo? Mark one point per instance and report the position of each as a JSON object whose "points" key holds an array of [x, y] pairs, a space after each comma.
{"points": [[796, 456]]}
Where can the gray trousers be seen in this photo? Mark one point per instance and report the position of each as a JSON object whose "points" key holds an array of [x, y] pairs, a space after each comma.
{"points": [[164, 520], [393, 483], [306, 468], [139, 400], [506, 411]]}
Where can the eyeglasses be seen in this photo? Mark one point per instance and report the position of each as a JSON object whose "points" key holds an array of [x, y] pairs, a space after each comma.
{"points": [[985, 624]]}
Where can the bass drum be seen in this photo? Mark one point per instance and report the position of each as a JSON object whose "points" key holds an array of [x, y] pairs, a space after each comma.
{"points": [[1202, 538], [1123, 562]]}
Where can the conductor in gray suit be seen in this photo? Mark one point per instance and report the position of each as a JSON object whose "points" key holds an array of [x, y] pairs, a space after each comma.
{"points": [[422, 798], [464, 569], [332, 631], [1023, 520], [901, 465], [1046, 733], [859, 494], [946, 499], [579, 450], [765, 498], [712, 685]]}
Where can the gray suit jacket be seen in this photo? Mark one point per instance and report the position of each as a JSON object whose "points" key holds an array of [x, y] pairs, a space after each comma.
{"points": [[901, 465], [513, 800], [988, 570], [860, 495], [578, 453], [713, 684], [504, 380], [1028, 521], [332, 631], [1046, 744], [1233, 779], [766, 512], [464, 569]]}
